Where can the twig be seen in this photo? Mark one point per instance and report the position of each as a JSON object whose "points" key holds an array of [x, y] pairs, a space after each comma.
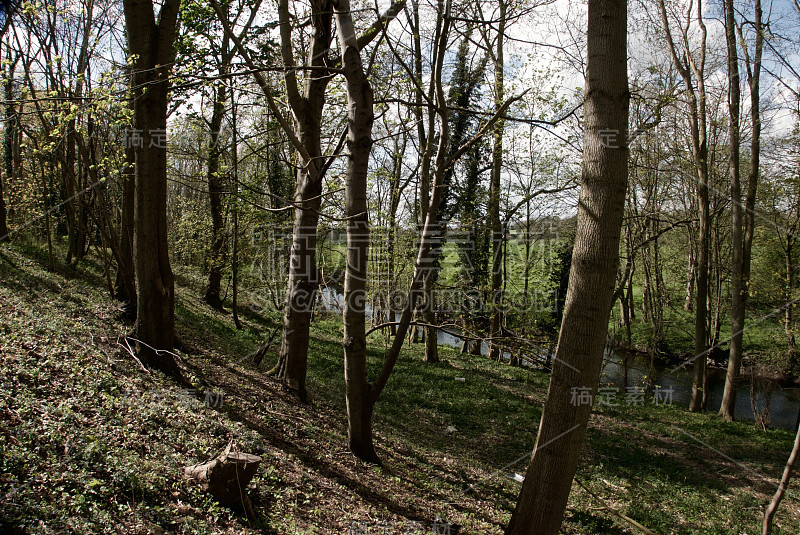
{"points": [[614, 511], [132, 353]]}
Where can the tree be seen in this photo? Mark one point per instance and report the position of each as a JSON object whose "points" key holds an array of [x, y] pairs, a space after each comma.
{"points": [[201, 48], [496, 53], [691, 67], [772, 508], [7, 167], [366, 394], [151, 45], [305, 136], [126, 272], [579, 354], [306, 107], [743, 221], [359, 145], [464, 84]]}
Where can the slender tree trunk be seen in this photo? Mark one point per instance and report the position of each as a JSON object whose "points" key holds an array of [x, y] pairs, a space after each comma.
{"points": [[74, 201], [701, 304], [692, 70], [646, 286], [152, 45], [8, 147], [426, 313], [301, 289], [391, 244], [496, 321], [48, 227], [772, 508], [625, 318], [217, 250], [737, 282], [579, 355], [8, 151], [658, 295], [423, 141], [690, 272], [743, 238], [126, 277], [789, 293], [235, 251], [359, 145], [303, 274], [4, 235], [429, 313], [716, 295], [357, 387]]}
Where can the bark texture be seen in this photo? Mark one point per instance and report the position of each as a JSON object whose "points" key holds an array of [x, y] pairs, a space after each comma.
{"points": [[359, 145], [151, 43], [303, 277], [579, 355], [226, 477]]}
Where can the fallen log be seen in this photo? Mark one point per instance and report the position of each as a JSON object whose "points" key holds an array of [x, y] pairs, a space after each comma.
{"points": [[226, 478]]}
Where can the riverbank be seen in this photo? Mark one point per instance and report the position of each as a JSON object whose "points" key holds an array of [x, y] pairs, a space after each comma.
{"points": [[94, 443]]}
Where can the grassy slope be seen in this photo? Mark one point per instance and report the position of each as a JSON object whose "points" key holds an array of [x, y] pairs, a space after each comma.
{"points": [[91, 443]]}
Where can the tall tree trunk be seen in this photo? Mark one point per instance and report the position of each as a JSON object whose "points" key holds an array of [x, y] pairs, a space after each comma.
{"points": [[74, 200], [737, 282], [394, 203], [301, 289], [303, 275], [579, 355], [496, 320], [426, 312], [365, 396], [126, 277], [4, 236], [789, 293], [742, 218], [359, 146], [646, 285], [152, 45], [8, 141], [692, 69], [216, 252], [701, 304], [690, 276], [235, 251], [715, 287]]}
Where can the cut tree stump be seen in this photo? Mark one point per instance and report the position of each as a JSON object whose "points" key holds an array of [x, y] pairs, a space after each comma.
{"points": [[226, 478]]}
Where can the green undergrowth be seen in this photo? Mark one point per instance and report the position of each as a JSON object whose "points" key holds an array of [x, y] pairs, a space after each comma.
{"points": [[90, 442]]}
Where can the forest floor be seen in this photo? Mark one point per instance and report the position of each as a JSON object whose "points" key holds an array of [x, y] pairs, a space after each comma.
{"points": [[90, 442]]}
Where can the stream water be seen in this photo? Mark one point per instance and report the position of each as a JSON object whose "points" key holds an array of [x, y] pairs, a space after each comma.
{"points": [[784, 403]]}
